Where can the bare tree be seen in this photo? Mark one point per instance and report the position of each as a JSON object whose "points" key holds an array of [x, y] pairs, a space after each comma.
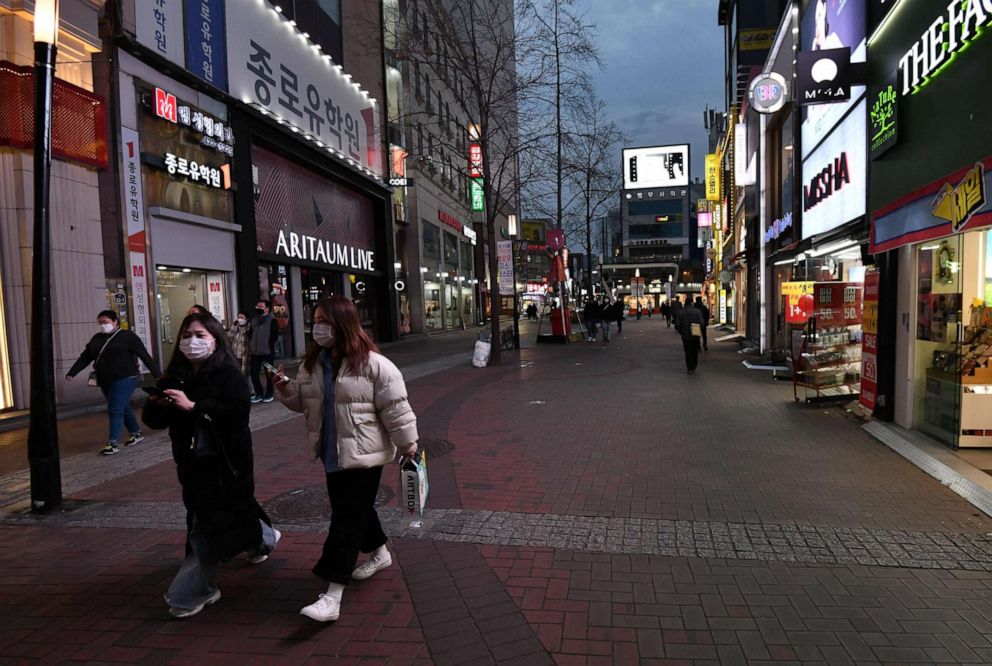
{"points": [[593, 171]]}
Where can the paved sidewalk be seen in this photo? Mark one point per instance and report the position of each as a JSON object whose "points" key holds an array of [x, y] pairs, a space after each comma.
{"points": [[590, 503]]}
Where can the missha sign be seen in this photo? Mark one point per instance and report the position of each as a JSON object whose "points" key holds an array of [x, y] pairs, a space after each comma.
{"points": [[835, 175], [948, 35]]}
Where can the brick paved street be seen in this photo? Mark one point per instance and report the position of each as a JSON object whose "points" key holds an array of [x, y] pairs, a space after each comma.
{"points": [[589, 504]]}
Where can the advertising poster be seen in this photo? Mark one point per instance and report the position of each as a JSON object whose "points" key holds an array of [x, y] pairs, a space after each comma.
{"points": [[869, 342], [655, 167], [837, 303], [831, 24], [798, 301], [134, 214], [504, 258]]}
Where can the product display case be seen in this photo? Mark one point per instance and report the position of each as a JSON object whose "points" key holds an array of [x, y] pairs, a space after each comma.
{"points": [[828, 364]]}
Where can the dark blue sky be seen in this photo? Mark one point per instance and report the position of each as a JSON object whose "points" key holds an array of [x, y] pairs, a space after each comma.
{"points": [[663, 63]]}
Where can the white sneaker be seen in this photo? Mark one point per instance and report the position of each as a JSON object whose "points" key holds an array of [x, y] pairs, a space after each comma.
{"points": [[325, 609], [258, 559], [190, 612], [373, 564]]}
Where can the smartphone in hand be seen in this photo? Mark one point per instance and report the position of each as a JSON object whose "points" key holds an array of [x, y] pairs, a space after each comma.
{"points": [[155, 391], [272, 370]]}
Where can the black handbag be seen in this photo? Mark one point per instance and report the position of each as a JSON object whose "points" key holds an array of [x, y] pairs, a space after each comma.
{"points": [[206, 443]]}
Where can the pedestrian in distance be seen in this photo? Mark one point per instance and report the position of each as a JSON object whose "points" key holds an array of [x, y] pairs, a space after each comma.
{"points": [[676, 309], [262, 336], [237, 338], [607, 316], [621, 313], [357, 417], [705, 311], [650, 309], [203, 400], [114, 353], [689, 324], [591, 313], [666, 312], [638, 310]]}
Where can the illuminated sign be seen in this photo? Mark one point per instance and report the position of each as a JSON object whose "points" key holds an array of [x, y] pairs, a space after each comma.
{"points": [[830, 179], [767, 93], [478, 196], [655, 166], [309, 248], [957, 204], [475, 160], [823, 76], [214, 133], [198, 173], [947, 36], [776, 228], [883, 118], [713, 177]]}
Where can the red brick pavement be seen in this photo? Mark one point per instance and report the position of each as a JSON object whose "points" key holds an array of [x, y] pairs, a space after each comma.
{"points": [[590, 430]]}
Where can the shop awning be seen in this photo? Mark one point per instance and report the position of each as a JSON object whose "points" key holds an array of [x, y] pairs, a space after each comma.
{"points": [[958, 202]]}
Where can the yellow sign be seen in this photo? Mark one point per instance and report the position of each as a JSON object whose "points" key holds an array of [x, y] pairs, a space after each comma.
{"points": [[869, 317], [757, 39], [713, 177], [957, 204], [796, 288]]}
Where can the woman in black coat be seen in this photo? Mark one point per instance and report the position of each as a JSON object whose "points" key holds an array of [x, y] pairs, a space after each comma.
{"points": [[204, 402]]}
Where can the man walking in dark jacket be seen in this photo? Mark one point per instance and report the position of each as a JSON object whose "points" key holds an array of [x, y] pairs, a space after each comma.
{"points": [[705, 311], [688, 316], [262, 348]]}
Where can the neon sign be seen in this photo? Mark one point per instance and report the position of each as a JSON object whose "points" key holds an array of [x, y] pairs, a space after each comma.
{"points": [[940, 44]]}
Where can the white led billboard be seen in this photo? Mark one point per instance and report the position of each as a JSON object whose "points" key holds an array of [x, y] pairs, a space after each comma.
{"points": [[656, 166]]}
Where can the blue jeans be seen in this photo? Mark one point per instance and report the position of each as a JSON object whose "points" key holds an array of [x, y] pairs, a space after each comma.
{"points": [[606, 328], [195, 580], [591, 325], [118, 396]]}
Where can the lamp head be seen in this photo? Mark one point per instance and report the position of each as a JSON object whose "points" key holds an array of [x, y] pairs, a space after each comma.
{"points": [[46, 21]]}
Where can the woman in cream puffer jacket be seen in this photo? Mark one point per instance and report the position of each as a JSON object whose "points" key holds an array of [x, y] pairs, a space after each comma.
{"points": [[358, 417]]}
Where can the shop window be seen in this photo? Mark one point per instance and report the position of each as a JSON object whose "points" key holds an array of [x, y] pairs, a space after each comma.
{"points": [[177, 290], [273, 285]]}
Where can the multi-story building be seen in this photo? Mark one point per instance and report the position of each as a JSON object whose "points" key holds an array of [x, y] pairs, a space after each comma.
{"points": [[79, 144]]}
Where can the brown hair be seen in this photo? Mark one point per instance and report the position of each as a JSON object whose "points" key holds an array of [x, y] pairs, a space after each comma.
{"points": [[351, 342]]}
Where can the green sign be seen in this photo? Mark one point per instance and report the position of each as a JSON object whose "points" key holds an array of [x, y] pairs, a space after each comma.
{"points": [[882, 119], [478, 197]]}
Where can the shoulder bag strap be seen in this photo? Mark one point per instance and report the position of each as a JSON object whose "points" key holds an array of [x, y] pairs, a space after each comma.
{"points": [[100, 355]]}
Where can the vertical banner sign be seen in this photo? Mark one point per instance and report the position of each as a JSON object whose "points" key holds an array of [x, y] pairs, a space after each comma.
{"points": [[159, 26], [135, 224], [713, 177], [215, 296], [504, 258], [869, 343], [478, 196], [475, 160], [723, 306], [206, 44]]}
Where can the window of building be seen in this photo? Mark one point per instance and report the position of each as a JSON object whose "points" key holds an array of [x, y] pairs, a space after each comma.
{"points": [[416, 78], [656, 207]]}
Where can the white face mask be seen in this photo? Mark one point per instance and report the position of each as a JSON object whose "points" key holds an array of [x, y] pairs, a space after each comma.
{"points": [[197, 349], [323, 335], [106, 328], [242, 321]]}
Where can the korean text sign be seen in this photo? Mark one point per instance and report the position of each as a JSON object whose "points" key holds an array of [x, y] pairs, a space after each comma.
{"points": [[869, 342], [206, 51], [270, 65]]}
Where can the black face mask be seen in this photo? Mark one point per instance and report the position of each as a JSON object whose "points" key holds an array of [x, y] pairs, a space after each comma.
{"points": [[260, 310]]}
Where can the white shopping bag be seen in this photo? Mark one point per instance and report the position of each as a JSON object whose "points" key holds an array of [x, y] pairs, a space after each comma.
{"points": [[480, 358], [413, 483]]}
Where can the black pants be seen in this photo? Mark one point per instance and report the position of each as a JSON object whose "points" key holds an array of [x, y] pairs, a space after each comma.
{"points": [[705, 344], [256, 368], [691, 346], [354, 524], [619, 325]]}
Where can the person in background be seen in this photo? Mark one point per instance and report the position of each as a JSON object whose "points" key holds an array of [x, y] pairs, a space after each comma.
{"points": [[197, 309], [666, 312], [705, 311], [676, 309], [262, 336], [591, 313], [114, 354], [690, 341], [237, 337], [204, 404], [621, 313], [357, 417], [606, 317]]}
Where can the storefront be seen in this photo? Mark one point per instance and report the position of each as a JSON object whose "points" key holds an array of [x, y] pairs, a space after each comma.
{"points": [[175, 159], [315, 238], [930, 220], [449, 283]]}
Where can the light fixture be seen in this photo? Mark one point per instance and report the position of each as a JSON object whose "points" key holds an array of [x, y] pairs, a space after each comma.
{"points": [[397, 265], [511, 224], [187, 270], [46, 21], [163, 268]]}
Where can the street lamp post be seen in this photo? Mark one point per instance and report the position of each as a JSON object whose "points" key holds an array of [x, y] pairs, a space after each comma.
{"points": [[511, 225], [43, 435]]}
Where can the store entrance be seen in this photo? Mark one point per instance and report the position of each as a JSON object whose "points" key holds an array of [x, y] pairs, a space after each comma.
{"points": [[316, 285], [180, 288]]}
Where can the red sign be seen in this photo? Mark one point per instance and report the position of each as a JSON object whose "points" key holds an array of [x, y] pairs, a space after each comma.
{"points": [[837, 303], [555, 239], [450, 220], [869, 343], [165, 105], [475, 160]]}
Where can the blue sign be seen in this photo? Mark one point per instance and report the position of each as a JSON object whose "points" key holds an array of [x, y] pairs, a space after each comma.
{"points": [[776, 228], [206, 42]]}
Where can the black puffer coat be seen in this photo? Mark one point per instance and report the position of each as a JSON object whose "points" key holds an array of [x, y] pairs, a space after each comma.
{"points": [[219, 491]]}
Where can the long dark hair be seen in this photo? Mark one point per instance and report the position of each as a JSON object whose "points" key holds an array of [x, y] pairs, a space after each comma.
{"points": [[351, 342], [180, 366]]}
